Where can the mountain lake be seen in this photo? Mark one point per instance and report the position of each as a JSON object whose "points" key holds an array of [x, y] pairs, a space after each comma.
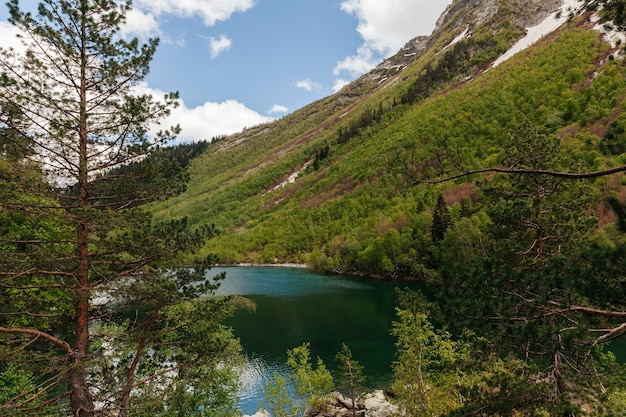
{"points": [[296, 306]]}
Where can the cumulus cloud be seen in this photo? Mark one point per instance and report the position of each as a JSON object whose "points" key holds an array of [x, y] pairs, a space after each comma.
{"points": [[8, 36], [214, 119], [386, 26], [219, 45], [339, 84], [208, 120], [210, 11], [358, 64], [308, 85], [140, 24], [277, 108]]}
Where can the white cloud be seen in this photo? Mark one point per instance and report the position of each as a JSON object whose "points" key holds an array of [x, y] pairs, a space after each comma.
{"points": [[339, 84], [386, 26], [214, 119], [357, 65], [208, 120], [203, 122], [8, 36], [219, 45], [210, 11], [277, 108], [308, 85], [140, 24]]}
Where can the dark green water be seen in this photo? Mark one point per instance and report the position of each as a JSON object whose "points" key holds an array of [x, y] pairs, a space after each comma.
{"points": [[294, 306]]}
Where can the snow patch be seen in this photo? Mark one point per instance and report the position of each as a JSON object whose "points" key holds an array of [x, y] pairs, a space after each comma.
{"points": [[611, 34], [534, 33], [457, 39], [292, 178]]}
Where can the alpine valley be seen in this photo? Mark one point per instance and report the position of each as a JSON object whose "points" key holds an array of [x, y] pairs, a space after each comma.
{"points": [[350, 183], [484, 163], [487, 162]]}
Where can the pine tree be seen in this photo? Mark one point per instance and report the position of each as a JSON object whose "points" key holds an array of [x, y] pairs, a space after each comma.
{"points": [[441, 220], [350, 376], [91, 304]]}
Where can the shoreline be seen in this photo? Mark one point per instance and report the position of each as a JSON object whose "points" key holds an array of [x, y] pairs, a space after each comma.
{"points": [[379, 277], [277, 265]]}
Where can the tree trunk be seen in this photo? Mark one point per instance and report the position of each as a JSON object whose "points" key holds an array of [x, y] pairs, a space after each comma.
{"points": [[80, 397]]}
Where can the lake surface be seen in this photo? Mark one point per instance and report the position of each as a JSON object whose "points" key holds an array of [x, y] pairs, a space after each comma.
{"points": [[294, 306]]}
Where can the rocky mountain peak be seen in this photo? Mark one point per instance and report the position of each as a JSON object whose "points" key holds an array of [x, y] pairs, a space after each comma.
{"points": [[470, 13], [458, 20]]}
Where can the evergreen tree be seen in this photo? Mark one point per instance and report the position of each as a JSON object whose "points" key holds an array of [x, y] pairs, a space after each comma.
{"points": [[426, 378], [619, 209], [613, 10], [536, 285], [441, 220], [92, 305], [311, 385], [350, 376]]}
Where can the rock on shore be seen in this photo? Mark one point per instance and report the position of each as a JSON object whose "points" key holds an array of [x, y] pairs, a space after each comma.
{"points": [[374, 404]]}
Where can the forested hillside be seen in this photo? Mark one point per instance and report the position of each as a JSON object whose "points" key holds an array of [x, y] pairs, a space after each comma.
{"points": [[364, 160], [500, 187]]}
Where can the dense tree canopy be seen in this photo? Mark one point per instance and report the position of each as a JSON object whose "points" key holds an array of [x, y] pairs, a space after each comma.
{"points": [[94, 318]]}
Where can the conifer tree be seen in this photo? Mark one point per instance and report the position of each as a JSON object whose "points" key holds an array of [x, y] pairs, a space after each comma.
{"points": [[350, 376], [91, 305], [441, 220]]}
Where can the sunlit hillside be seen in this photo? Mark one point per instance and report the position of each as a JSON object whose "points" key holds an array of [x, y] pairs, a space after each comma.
{"points": [[349, 183]]}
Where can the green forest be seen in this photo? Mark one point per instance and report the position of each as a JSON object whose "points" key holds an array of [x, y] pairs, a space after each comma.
{"points": [[502, 189]]}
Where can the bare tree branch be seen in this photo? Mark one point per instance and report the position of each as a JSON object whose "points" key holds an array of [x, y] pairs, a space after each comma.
{"points": [[557, 174]]}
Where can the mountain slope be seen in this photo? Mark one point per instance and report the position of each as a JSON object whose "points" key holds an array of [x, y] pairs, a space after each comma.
{"points": [[339, 183]]}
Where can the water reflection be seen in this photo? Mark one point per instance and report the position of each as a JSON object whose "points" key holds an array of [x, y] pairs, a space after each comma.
{"points": [[294, 306], [254, 377], [282, 282]]}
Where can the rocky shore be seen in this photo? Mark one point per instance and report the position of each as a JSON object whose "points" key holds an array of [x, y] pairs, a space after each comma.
{"points": [[373, 404]]}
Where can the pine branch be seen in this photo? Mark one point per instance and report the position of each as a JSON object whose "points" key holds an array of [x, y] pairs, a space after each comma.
{"points": [[38, 333]]}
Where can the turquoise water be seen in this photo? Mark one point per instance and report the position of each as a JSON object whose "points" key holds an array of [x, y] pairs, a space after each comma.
{"points": [[294, 306]]}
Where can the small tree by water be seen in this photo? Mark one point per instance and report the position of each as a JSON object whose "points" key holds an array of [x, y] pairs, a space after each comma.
{"points": [[350, 378], [305, 389]]}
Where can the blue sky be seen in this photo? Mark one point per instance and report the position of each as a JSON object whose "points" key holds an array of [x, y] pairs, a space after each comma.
{"points": [[238, 63]]}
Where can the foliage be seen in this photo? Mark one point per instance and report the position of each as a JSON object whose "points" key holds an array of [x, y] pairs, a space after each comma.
{"points": [[18, 383], [441, 220], [527, 285], [367, 118], [344, 210], [426, 365], [612, 10], [438, 374], [310, 386], [620, 211], [278, 399], [466, 57], [95, 316], [350, 378], [529, 261]]}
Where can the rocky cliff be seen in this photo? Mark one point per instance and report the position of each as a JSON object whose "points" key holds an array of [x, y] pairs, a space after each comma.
{"points": [[460, 19]]}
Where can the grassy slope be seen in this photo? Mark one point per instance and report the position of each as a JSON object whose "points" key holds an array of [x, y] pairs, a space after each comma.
{"points": [[565, 85]]}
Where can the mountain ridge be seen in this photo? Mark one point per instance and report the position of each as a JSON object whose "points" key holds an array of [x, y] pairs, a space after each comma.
{"points": [[354, 150]]}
